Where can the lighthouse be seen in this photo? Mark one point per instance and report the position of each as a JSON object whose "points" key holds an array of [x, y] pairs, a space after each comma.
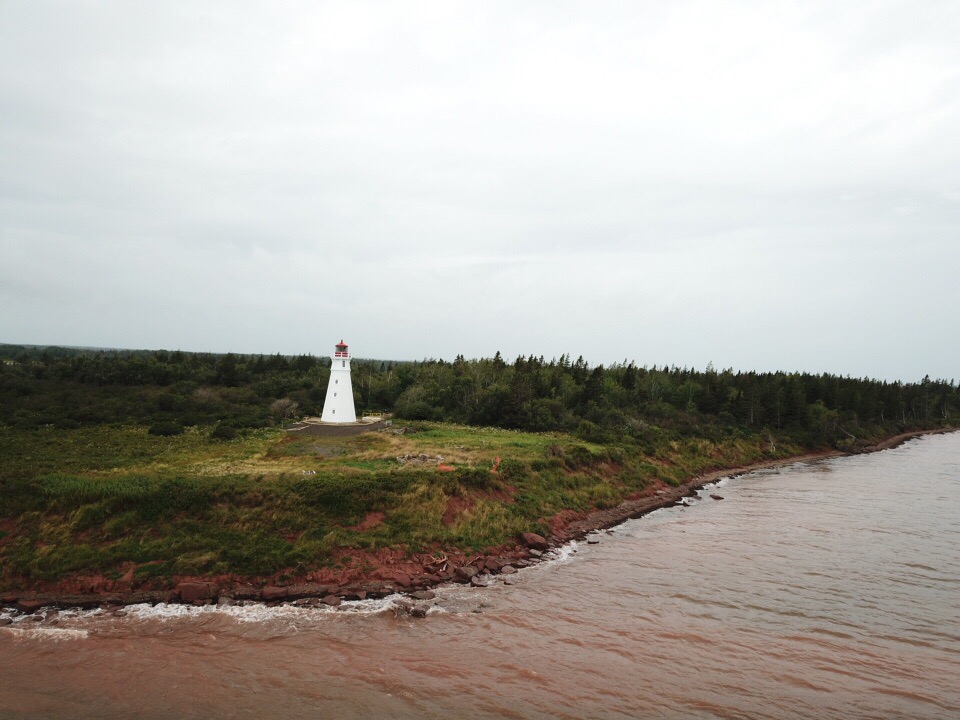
{"points": [[338, 406]]}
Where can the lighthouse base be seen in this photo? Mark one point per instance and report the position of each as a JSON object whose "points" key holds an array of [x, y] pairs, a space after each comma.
{"points": [[316, 426]]}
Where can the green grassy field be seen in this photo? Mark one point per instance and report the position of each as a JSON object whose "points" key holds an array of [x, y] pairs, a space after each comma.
{"points": [[96, 499]]}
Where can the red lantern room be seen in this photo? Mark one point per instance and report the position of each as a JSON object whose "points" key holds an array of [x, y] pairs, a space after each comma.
{"points": [[341, 350]]}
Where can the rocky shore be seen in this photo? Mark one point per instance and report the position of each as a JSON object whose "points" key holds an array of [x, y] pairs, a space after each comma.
{"points": [[388, 571]]}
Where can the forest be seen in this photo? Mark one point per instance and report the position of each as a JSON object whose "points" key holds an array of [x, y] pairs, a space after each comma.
{"points": [[621, 403]]}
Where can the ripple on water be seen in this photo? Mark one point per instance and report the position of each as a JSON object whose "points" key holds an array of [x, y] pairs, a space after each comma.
{"points": [[41, 633]]}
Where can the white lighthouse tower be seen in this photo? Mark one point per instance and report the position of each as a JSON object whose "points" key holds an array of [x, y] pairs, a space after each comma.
{"points": [[338, 406]]}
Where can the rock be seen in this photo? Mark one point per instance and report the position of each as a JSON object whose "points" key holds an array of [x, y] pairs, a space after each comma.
{"points": [[200, 603], [309, 590], [402, 579], [419, 610], [717, 497], [225, 601], [478, 581], [536, 553], [29, 605], [592, 541], [272, 592], [193, 591], [332, 600], [507, 570], [423, 595], [362, 595], [119, 613], [245, 592], [534, 541], [5, 621], [7, 599], [404, 607], [492, 565], [148, 597], [467, 572]]}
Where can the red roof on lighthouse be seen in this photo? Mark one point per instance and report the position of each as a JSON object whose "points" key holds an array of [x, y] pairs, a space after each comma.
{"points": [[341, 344]]}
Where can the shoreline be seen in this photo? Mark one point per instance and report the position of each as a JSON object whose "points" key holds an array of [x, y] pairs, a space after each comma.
{"points": [[633, 508], [415, 576]]}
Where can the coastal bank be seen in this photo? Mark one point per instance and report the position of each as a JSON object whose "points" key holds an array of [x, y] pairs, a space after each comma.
{"points": [[464, 494]]}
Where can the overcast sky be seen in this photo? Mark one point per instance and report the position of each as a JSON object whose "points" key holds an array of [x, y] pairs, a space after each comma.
{"points": [[761, 185]]}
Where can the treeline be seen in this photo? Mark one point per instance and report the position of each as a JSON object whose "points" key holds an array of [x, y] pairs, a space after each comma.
{"points": [[68, 387], [623, 402]]}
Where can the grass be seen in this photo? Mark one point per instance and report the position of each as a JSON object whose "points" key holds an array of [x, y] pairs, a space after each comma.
{"points": [[91, 500]]}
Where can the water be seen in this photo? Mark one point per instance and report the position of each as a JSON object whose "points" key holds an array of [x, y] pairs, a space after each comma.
{"points": [[828, 590]]}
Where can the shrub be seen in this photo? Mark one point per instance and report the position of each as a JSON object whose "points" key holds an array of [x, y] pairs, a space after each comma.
{"points": [[591, 432], [578, 456], [284, 408], [511, 469], [223, 432], [477, 478], [168, 401], [166, 428]]}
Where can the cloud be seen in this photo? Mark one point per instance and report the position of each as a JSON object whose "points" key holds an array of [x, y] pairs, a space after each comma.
{"points": [[760, 186]]}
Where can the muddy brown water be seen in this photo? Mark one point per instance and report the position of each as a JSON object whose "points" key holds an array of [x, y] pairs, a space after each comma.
{"points": [[821, 590]]}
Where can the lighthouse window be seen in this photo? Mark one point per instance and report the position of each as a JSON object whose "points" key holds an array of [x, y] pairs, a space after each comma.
{"points": [[334, 394], [344, 362], [336, 382], [333, 412]]}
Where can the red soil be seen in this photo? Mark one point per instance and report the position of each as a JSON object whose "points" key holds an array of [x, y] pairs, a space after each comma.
{"points": [[369, 522]]}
